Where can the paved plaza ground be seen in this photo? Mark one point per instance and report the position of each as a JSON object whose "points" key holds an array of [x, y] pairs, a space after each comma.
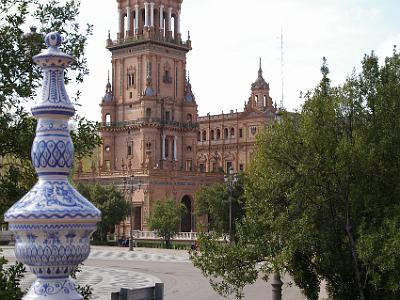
{"points": [[110, 268]]}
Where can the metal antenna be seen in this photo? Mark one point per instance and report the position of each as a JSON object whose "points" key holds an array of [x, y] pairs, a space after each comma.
{"points": [[282, 70]]}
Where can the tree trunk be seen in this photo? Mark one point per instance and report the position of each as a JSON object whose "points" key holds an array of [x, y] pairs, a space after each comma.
{"points": [[355, 260]]}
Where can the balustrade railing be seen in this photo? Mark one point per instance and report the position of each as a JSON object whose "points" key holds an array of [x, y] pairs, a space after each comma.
{"points": [[152, 235], [146, 121]]}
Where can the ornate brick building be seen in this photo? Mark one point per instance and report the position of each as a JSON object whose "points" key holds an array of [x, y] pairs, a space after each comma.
{"points": [[154, 144]]}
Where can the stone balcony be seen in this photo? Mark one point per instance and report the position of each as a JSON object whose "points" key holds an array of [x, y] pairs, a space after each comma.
{"points": [[147, 38], [141, 122]]}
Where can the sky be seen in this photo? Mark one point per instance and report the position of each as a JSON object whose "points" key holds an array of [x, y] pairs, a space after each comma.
{"points": [[229, 36]]}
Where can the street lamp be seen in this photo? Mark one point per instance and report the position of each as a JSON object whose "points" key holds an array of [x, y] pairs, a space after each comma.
{"points": [[130, 188], [230, 180]]}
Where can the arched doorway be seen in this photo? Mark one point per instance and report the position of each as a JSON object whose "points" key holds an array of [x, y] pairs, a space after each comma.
{"points": [[186, 220]]}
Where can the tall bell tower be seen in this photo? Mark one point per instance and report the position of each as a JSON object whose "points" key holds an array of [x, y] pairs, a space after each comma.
{"points": [[149, 112]]}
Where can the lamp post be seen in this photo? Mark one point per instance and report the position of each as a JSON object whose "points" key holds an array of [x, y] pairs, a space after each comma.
{"points": [[130, 188], [230, 180]]}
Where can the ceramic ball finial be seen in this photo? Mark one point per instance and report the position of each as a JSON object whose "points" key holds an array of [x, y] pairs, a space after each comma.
{"points": [[53, 39]]}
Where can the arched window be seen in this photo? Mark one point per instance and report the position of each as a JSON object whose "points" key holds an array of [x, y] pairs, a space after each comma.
{"points": [[148, 112], [232, 132], [265, 100], [204, 137], [218, 134], [226, 132], [189, 118], [129, 150], [212, 135], [108, 120], [256, 99], [198, 136]]}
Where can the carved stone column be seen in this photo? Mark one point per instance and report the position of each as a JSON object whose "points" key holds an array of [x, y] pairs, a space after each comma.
{"points": [[52, 223]]}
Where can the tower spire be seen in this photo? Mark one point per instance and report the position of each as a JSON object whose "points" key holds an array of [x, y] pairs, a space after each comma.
{"points": [[260, 71]]}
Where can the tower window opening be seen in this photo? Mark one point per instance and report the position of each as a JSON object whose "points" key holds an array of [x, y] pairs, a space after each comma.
{"points": [[158, 77], [108, 120], [108, 165], [129, 150], [166, 147], [198, 136], [265, 100], [241, 132], [218, 134], [173, 148], [201, 168], [212, 135], [189, 165], [148, 112], [189, 118], [226, 132], [107, 148], [173, 26], [232, 132], [204, 135], [229, 166], [167, 116], [256, 99]]}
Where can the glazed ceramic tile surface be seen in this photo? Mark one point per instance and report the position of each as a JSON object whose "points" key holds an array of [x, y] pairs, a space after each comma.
{"points": [[52, 223]]}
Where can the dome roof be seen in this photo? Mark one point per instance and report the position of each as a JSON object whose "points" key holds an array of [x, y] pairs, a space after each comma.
{"points": [[189, 96], [108, 97]]}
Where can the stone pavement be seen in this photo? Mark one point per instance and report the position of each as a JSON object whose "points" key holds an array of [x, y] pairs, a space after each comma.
{"points": [[104, 281], [107, 280], [110, 268], [122, 253]]}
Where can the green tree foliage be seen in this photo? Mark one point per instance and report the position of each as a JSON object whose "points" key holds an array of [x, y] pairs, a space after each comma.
{"points": [[112, 204], [322, 197], [10, 280], [20, 79], [229, 267], [85, 291], [165, 219], [85, 138], [213, 202]]}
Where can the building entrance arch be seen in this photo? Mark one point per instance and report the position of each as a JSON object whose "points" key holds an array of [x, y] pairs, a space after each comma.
{"points": [[186, 219]]}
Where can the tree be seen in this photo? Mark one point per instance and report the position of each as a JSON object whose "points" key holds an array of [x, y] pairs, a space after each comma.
{"points": [[85, 138], [20, 78], [322, 193], [165, 219], [213, 202], [10, 280], [112, 204]]}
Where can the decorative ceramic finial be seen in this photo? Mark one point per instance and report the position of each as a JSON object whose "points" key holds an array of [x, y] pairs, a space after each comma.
{"points": [[52, 223]]}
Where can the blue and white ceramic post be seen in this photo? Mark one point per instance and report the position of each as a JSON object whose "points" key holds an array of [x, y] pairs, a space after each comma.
{"points": [[53, 223]]}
